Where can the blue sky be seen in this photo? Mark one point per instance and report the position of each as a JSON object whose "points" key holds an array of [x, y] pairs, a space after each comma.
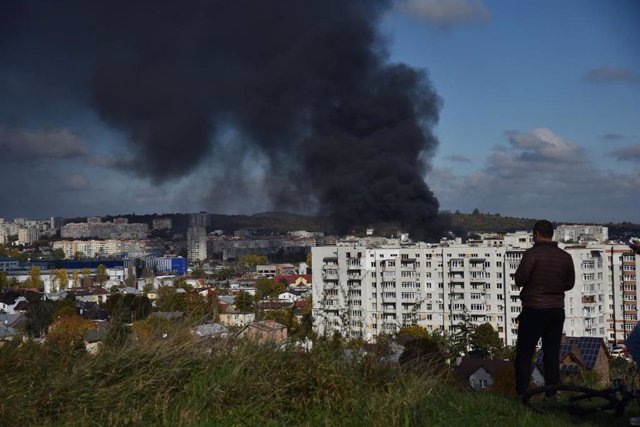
{"points": [[572, 67], [540, 118]]}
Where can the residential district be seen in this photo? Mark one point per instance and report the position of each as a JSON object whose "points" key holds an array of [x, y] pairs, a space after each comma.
{"points": [[276, 286]]}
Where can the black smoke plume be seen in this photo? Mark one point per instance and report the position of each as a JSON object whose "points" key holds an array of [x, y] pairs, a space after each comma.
{"points": [[307, 83]]}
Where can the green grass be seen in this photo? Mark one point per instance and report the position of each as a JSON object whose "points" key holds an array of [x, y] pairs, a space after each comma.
{"points": [[182, 382]]}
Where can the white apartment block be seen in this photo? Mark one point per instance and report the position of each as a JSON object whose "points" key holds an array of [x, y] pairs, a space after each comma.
{"points": [[162, 224], [196, 244], [364, 288], [581, 233], [100, 248], [104, 230], [28, 235]]}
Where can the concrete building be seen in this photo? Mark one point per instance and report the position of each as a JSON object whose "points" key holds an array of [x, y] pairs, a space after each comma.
{"points": [[200, 219], [162, 224], [101, 248], [581, 233], [196, 244], [28, 235], [362, 288]]}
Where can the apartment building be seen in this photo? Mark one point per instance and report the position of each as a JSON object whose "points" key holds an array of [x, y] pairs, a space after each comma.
{"points": [[581, 233], [100, 248], [196, 244], [28, 235], [104, 230], [362, 288]]}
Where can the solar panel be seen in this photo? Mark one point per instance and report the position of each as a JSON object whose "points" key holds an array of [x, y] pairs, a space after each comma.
{"points": [[588, 348]]}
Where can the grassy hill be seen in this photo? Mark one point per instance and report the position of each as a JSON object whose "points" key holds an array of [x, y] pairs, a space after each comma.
{"points": [[183, 382]]}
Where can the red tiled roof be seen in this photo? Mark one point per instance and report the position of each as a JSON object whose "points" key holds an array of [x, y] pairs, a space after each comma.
{"points": [[291, 278]]}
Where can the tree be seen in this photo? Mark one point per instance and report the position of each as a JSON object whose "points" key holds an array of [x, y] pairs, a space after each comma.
{"points": [[170, 300], [243, 301], [65, 308], [57, 253], [34, 281], [67, 333], [75, 276], [39, 317], [461, 339], [101, 274], [250, 261], [60, 277], [130, 280], [223, 274], [486, 339], [86, 278], [418, 332], [267, 288], [285, 317], [198, 273], [4, 281], [306, 324]]}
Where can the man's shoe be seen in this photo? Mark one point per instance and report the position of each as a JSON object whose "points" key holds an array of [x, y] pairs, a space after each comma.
{"points": [[634, 421]]}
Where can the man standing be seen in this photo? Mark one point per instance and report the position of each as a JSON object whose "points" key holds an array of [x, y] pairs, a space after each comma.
{"points": [[545, 273]]}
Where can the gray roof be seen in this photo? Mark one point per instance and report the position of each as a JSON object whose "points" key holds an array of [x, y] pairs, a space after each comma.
{"points": [[211, 329], [11, 319], [227, 299], [7, 332]]}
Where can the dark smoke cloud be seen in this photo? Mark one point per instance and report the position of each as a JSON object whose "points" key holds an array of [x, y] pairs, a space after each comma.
{"points": [[307, 83]]}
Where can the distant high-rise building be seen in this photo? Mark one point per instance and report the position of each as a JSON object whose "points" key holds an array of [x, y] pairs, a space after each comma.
{"points": [[196, 244], [120, 220], [94, 220], [28, 235], [56, 222], [200, 219]]}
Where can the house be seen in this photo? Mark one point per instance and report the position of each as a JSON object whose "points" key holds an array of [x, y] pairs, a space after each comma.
{"points": [[13, 320], [168, 315], [21, 306], [288, 297], [294, 280], [233, 317], [8, 301], [265, 331], [480, 374], [577, 353], [273, 305], [211, 330]]}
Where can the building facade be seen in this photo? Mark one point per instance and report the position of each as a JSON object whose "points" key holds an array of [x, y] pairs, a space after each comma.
{"points": [[196, 244], [365, 288]]}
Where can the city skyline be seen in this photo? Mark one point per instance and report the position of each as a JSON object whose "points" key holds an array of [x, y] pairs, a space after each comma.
{"points": [[539, 118]]}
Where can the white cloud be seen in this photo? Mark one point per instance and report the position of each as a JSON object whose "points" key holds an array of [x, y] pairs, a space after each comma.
{"points": [[543, 145], [551, 181], [446, 13], [26, 144]]}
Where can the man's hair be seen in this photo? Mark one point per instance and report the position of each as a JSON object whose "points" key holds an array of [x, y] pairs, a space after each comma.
{"points": [[544, 228]]}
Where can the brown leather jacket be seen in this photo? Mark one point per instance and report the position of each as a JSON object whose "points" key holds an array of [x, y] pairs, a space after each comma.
{"points": [[545, 273]]}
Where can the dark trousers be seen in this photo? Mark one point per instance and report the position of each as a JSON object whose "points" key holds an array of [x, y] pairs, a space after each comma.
{"points": [[536, 323]]}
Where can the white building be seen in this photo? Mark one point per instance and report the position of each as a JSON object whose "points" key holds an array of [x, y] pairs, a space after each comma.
{"points": [[28, 235], [101, 248], [362, 289], [196, 244], [581, 233]]}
